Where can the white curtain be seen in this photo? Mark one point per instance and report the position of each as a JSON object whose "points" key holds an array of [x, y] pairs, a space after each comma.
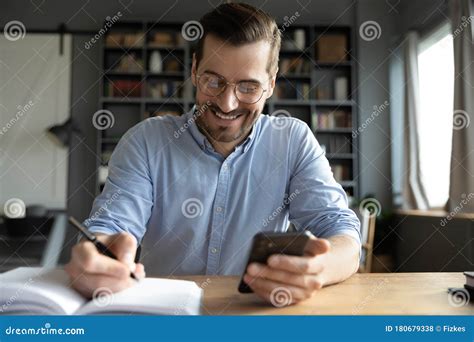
{"points": [[413, 192], [462, 159]]}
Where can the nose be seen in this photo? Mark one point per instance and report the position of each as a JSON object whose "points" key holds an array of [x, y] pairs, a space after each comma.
{"points": [[227, 101]]}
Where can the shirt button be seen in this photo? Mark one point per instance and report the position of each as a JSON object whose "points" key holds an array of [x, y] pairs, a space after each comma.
{"points": [[225, 166], [219, 209], [213, 250]]}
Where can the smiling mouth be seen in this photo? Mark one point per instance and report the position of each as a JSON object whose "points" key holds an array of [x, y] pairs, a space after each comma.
{"points": [[225, 117]]}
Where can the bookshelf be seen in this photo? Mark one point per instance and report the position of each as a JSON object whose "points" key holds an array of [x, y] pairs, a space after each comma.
{"points": [[147, 66]]}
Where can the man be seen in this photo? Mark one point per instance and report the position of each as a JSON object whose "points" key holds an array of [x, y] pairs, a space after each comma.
{"points": [[194, 190]]}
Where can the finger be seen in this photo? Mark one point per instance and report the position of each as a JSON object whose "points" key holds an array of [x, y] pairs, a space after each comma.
{"points": [[140, 271], [296, 264], [317, 246], [90, 284], [310, 282], [87, 259], [269, 289], [123, 246]]}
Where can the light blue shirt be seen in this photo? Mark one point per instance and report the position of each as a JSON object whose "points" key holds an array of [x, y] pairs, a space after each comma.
{"points": [[195, 212]]}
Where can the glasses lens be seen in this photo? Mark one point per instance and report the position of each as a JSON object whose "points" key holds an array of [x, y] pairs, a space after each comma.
{"points": [[211, 85], [249, 92]]}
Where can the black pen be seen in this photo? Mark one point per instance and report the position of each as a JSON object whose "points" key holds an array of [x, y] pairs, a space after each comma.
{"points": [[92, 238]]}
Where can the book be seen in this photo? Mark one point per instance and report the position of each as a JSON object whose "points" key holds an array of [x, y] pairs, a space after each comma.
{"points": [[469, 278], [331, 48], [39, 291], [340, 88], [124, 88]]}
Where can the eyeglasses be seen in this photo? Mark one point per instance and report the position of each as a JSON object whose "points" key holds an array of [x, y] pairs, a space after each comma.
{"points": [[245, 91]]}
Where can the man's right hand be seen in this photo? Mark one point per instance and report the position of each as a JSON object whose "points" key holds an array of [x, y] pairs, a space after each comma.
{"points": [[89, 270]]}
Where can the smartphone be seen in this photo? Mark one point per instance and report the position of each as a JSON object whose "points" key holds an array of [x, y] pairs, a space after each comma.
{"points": [[266, 244]]}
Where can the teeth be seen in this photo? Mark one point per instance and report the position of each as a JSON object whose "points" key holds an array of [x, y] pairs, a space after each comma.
{"points": [[225, 117]]}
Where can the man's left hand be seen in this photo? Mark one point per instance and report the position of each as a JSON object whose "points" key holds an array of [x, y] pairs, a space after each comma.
{"points": [[289, 279]]}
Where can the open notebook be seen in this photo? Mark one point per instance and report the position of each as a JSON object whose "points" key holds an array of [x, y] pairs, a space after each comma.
{"points": [[35, 291]]}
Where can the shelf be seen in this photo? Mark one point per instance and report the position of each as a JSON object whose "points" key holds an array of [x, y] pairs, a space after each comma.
{"points": [[166, 48], [333, 103], [165, 74], [340, 155], [334, 130], [295, 52], [324, 65], [123, 100], [320, 103], [347, 184], [291, 102], [146, 100], [151, 100], [123, 49], [123, 74], [294, 76]]}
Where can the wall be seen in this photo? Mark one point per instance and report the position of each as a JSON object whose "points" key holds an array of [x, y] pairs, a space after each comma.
{"points": [[34, 95], [375, 141]]}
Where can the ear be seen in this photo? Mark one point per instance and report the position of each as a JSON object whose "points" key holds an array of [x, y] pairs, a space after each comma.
{"points": [[194, 70], [271, 84]]}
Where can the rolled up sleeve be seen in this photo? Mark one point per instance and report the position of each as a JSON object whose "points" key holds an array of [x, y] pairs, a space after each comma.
{"points": [[126, 201], [319, 203]]}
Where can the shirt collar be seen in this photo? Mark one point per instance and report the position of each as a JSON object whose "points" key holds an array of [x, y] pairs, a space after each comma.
{"points": [[204, 143]]}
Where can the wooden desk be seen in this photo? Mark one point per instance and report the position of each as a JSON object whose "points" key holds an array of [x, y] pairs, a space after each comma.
{"points": [[362, 294]]}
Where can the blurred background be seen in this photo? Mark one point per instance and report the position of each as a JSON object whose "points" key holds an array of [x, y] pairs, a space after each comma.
{"points": [[386, 87]]}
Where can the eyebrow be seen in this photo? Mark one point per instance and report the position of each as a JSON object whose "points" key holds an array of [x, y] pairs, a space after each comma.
{"points": [[244, 80]]}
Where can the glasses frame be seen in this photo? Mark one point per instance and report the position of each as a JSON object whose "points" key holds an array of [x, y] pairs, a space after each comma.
{"points": [[227, 83]]}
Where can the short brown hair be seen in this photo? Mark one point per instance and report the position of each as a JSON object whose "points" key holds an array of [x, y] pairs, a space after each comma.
{"points": [[239, 24]]}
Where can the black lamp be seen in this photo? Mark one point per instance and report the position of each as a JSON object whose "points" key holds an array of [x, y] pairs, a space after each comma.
{"points": [[62, 134]]}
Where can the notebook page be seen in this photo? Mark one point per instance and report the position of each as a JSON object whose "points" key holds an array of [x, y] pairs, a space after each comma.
{"points": [[153, 296], [34, 290]]}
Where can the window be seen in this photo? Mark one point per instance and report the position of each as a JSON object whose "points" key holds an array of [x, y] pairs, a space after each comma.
{"points": [[436, 84]]}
